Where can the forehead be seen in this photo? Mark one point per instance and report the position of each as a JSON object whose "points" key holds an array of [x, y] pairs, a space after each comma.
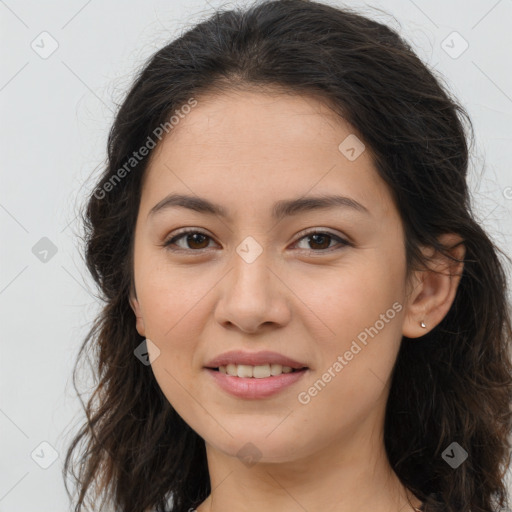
{"points": [[251, 146], [259, 121]]}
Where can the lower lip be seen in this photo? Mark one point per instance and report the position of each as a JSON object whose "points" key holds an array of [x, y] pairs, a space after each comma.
{"points": [[255, 388]]}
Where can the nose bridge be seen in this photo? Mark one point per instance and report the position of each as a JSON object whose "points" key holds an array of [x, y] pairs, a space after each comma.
{"points": [[251, 295], [251, 262]]}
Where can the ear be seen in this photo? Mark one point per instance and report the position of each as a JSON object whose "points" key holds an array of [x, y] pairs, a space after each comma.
{"points": [[433, 290], [134, 303]]}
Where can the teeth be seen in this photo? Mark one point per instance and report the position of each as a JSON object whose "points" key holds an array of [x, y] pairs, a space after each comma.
{"points": [[258, 372]]}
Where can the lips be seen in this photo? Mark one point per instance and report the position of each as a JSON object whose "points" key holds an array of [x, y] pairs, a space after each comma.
{"points": [[252, 388], [253, 359]]}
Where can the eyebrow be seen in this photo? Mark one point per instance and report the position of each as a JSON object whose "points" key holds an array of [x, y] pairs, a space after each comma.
{"points": [[281, 209]]}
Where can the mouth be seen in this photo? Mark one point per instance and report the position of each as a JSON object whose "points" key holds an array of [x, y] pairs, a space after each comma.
{"points": [[256, 372], [241, 363], [247, 382]]}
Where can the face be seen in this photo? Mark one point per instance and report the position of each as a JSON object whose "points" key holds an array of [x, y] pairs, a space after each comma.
{"points": [[324, 286]]}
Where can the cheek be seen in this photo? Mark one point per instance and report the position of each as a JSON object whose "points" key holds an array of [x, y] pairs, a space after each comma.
{"points": [[360, 303], [168, 294], [172, 311], [355, 363], [172, 301], [353, 295]]}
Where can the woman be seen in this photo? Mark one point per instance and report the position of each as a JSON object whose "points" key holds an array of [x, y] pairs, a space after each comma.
{"points": [[301, 312]]}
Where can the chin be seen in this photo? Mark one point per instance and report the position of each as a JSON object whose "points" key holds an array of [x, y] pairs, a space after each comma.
{"points": [[256, 445]]}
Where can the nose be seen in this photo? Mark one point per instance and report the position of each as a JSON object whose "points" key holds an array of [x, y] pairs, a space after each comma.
{"points": [[253, 296]]}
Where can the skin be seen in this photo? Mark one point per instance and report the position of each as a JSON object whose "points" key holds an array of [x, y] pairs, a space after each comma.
{"points": [[303, 298]]}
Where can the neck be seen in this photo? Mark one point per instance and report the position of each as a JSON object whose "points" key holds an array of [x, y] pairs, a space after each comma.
{"points": [[344, 476]]}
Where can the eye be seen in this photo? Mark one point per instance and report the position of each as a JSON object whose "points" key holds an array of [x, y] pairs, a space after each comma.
{"points": [[323, 239], [198, 238], [192, 236]]}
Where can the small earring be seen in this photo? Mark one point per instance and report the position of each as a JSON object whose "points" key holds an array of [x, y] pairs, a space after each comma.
{"points": [[422, 323]]}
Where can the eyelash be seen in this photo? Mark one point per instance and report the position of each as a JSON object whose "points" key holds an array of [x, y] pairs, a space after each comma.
{"points": [[181, 234]]}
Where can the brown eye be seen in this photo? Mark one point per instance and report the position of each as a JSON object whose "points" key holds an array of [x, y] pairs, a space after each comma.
{"points": [[320, 241], [195, 240]]}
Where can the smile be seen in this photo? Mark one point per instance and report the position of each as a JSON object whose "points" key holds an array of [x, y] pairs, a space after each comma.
{"points": [[249, 386], [258, 371]]}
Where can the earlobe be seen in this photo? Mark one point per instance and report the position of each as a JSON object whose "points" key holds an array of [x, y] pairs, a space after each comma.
{"points": [[139, 322], [435, 288]]}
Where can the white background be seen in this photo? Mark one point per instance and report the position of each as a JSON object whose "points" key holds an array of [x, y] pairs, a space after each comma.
{"points": [[55, 117]]}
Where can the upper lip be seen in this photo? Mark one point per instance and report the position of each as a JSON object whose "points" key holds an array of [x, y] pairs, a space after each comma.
{"points": [[253, 359]]}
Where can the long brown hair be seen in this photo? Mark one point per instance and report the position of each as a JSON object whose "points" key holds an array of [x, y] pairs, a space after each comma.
{"points": [[452, 385]]}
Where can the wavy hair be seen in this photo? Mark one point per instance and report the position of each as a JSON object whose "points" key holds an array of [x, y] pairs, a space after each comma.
{"points": [[454, 384]]}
